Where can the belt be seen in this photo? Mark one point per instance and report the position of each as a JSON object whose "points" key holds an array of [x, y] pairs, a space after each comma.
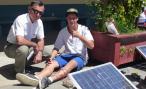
{"points": [[8, 43]]}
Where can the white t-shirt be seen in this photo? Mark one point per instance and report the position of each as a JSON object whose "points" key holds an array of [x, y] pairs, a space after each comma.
{"points": [[111, 28], [142, 18], [73, 44], [22, 26]]}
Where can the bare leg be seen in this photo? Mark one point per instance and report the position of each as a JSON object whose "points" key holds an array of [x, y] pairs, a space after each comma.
{"points": [[64, 71], [48, 70]]}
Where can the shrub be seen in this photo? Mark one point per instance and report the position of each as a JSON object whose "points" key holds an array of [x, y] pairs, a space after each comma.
{"points": [[123, 11]]}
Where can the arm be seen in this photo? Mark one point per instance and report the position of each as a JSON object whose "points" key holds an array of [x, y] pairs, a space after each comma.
{"points": [[22, 41], [18, 26], [58, 44], [85, 38], [88, 43], [53, 54], [39, 49], [40, 45]]}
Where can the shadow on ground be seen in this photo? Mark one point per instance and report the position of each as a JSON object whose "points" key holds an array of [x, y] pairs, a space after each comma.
{"points": [[135, 78], [141, 66], [93, 62], [8, 71], [142, 85]]}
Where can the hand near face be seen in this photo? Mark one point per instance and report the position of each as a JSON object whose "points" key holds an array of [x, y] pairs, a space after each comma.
{"points": [[74, 29], [72, 23], [76, 33]]}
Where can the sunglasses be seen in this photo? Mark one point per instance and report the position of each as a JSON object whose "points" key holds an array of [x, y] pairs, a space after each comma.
{"points": [[36, 11]]}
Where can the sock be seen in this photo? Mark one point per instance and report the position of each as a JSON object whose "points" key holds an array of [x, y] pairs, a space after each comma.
{"points": [[50, 79], [36, 76]]}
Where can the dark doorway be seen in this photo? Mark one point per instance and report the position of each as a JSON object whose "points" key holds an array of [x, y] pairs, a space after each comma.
{"points": [[51, 29]]}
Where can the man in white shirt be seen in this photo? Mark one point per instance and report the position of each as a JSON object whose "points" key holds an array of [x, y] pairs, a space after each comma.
{"points": [[142, 19], [76, 38], [25, 28]]}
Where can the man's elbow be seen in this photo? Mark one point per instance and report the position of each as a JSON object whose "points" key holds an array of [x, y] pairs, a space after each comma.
{"points": [[19, 42], [92, 45]]}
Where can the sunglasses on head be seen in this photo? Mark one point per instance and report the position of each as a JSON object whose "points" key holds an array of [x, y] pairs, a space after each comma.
{"points": [[36, 11]]}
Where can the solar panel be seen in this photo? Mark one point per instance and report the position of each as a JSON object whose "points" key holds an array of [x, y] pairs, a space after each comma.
{"points": [[105, 76], [142, 50]]}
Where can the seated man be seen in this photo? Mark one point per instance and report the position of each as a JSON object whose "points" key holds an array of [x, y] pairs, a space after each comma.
{"points": [[26, 27], [76, 38], [142, 19]]}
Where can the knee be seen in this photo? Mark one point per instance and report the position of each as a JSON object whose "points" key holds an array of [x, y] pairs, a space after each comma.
{"points": [[23, 50], [53, 64]]}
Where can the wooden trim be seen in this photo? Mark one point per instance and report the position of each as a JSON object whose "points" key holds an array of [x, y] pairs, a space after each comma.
{"points": [[26, 2]]}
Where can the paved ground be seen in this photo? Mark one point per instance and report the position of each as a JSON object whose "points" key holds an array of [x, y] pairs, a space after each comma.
{"points": [[7, 78], [135, 73]]}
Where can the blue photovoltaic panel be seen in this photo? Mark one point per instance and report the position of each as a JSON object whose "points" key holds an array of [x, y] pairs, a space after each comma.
{"points": [[142, 50], [105, 76]]}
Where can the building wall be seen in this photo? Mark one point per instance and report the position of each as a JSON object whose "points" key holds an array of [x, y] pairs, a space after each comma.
{"points": [[53, 18], [25, 2]]}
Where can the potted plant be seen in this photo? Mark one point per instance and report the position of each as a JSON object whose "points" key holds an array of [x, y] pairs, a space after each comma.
{"points": [[119, 49]]}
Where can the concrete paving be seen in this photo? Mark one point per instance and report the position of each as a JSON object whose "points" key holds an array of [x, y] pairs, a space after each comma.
{"points": [[135, 73], [7, 75]]}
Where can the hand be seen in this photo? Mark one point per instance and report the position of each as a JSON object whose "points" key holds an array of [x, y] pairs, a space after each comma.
{"points": [[38, 57], [76, 34], [50, 60], [74, 30], [34, 45], [36, 48]]}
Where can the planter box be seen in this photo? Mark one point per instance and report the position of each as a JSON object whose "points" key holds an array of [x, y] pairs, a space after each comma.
{"points": [[118, 49]]}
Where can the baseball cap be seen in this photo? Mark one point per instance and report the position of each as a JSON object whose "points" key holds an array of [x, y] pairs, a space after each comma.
{"points": [[72, 10]]}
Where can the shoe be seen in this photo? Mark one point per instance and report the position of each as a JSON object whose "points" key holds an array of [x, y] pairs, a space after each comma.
{"points": [[29, 69], [43, 83], [27, 79]]}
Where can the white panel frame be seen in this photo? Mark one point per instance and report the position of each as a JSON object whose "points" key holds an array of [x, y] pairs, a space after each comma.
{"points": [[138, 48]]}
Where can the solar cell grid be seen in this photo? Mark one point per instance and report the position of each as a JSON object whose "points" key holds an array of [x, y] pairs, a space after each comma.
{"points": [[105, 76]]}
